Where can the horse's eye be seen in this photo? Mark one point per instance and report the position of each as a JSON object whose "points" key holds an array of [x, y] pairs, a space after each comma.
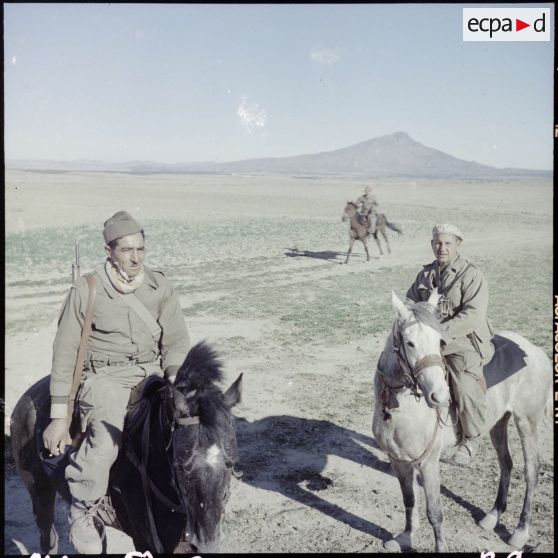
{"points": [[410, 344]]}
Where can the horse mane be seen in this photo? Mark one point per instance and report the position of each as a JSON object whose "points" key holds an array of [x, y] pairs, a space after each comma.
{"points": [[425, 313], [352, 203], [197, 379], [202, 368]]}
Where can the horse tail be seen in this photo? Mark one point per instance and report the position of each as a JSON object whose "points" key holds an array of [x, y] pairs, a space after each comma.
{"points": [[201, 368], [392, 226]]}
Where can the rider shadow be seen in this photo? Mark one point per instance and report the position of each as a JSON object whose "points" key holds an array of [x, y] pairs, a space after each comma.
{"points": [[328, 255], [289, 454]]}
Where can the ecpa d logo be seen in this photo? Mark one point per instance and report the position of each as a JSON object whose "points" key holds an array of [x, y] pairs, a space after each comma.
{"points": [[506, 24]]}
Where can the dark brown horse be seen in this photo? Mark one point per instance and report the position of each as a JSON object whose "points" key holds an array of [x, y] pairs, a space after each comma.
{"points": [[169, 486], [361, 229]]}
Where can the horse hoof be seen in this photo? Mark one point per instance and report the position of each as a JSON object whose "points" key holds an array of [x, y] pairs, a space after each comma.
{"points": [[518, 539], [401, 543], [489, 522], [392, 546]]}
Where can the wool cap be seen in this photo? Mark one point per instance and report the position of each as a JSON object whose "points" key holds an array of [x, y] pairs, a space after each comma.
{"points": [[446, 228], [119, 225]]}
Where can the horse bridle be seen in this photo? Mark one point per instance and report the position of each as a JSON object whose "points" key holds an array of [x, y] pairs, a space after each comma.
{"points": [[411, 374]]}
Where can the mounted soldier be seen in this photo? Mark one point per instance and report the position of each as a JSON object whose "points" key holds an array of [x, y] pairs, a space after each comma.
{"points": [[462, 309], [134, 329], [367, 206]]}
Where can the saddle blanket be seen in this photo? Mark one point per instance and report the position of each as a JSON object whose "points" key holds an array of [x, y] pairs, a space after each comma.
{"points": [[508, 359]]}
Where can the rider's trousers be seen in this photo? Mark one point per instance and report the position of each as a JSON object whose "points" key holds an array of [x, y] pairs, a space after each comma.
{"points": [[102, 404], [468, 390]]}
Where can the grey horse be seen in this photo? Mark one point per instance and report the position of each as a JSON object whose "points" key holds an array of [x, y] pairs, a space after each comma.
{"points": [[412, 411]]}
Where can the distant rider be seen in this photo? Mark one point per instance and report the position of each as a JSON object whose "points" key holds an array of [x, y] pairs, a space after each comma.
{"points": [[367, 205]]}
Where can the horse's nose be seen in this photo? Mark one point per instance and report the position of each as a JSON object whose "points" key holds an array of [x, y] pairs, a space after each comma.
{"points": [[438, 399]]}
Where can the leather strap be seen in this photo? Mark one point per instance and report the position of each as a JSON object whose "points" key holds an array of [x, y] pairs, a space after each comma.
{"points": [[85, 332], [135, 304]]}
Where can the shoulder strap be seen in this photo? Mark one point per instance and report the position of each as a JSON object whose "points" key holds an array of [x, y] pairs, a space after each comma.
{"points": [[137, 306], [85, 331]]}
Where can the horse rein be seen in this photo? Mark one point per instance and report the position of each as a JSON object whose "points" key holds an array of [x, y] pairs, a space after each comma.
{"points": [[149, 485]]}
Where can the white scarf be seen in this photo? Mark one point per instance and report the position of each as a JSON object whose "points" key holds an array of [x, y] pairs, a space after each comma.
{"points": [[120, 280]]}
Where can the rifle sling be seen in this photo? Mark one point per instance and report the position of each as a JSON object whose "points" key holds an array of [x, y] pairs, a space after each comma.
{"points": [[85, 332]]}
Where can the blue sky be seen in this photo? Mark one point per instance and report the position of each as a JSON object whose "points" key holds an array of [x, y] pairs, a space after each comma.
{"points": [[183, 83]]}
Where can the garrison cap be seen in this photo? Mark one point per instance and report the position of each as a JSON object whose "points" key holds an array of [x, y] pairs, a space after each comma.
{"points": [[446, 228], [119, 225]]}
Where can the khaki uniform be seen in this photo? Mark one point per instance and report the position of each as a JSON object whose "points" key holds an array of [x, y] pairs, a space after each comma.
{"points": [[122, 351], [468, 346], [368, 206]]}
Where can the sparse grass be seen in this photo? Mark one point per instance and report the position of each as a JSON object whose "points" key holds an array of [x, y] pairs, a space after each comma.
{"points": [[521, 295], [245, 259]]}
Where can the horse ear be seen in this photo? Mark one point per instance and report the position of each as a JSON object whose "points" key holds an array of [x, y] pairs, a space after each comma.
{"points": [[232, 395], [434, 298], [401, 310]]}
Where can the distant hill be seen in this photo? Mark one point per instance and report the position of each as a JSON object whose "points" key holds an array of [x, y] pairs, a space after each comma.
{"points": [[395, 155]]}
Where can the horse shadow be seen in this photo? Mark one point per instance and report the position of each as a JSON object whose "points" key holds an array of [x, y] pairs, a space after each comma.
{"points": [[476, 513], [289, 454], [328, 255]]}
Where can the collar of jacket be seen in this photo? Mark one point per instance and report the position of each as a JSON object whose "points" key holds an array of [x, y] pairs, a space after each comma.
{"points": [[457, 265]]}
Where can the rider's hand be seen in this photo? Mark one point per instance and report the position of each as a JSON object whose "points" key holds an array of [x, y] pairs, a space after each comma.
{"points": [[55, 436], [171, 372]]}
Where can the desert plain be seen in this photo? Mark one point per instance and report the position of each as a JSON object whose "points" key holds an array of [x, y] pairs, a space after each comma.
{"points": [[258, 264]]}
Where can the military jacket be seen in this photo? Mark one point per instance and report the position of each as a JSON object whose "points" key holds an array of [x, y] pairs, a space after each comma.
{"points": [[466, 290], [367, 203], [118, 334]]}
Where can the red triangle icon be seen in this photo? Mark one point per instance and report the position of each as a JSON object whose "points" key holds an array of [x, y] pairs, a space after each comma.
{"points": [[519, 25]]}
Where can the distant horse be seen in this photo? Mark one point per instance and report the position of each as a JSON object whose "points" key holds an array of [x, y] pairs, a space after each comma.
{"points": [[411, 389], [169, 486], [360, 229]]}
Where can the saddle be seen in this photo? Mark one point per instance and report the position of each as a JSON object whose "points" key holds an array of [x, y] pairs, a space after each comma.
{"points": [[140, 402]]}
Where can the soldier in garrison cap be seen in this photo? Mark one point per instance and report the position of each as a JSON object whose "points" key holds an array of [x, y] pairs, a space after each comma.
{"points": [[138, 330], [367, 205], [467, 347]]}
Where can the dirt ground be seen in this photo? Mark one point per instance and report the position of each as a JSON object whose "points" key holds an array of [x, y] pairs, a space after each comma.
{"points": [[258, 263]]}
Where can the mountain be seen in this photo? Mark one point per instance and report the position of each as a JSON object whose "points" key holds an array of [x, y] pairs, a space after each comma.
{"points": [[395, 155]]}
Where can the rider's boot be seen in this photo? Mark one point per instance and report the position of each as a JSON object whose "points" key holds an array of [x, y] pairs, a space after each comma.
{"points": [[84, 534], [466, 451]]}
